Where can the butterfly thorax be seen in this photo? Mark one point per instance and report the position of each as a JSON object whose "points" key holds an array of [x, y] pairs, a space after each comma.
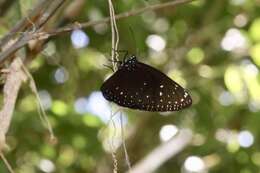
{"points": [[129, 64]]}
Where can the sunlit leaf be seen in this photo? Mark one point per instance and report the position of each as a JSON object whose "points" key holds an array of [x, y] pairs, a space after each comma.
{"points": [[91, 121], [59, 108], [254, 30], [195, 55], [255, 53]]}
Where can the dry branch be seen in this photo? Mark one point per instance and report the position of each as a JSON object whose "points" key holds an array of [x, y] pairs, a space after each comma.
{"points": [[163, 153], [14, 79], [119, 16], [53, 7], [26, 21], [45, 35], [15, 73]]}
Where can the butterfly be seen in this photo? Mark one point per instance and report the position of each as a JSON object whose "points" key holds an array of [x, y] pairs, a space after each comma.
{"points": [[139, 86]]}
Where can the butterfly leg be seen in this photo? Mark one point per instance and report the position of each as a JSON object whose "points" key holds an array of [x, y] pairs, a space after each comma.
{"points": [[125, 56], [108, 67]]}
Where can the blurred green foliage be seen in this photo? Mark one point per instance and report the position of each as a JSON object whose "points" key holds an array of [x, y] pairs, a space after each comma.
{"points": [[212, 49]]}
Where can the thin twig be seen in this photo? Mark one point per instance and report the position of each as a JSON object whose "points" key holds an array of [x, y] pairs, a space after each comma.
{"points": [[41, 112], [45, 35], [115, 35], [111, 143], [49, 12], [115, 41], [124, 144], [119, 16], [9, 167]]}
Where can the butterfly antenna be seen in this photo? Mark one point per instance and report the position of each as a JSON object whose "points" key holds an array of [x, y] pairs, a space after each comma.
{"points": [[125, 56], [108, 67]]}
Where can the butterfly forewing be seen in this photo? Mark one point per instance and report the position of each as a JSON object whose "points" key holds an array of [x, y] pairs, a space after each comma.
{"points": [[139, 86]]}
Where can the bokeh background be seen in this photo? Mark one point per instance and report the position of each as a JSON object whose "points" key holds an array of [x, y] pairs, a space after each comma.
{"points": [[212, 48]]}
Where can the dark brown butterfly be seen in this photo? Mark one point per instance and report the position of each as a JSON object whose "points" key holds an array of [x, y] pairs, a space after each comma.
{"points": [[139, 86]]}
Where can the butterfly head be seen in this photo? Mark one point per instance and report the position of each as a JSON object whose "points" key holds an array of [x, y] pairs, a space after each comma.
{"points": [[129, 63]]}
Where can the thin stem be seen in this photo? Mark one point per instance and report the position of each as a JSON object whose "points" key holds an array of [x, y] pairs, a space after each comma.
{"points": [[124, 144], [9, 167]]}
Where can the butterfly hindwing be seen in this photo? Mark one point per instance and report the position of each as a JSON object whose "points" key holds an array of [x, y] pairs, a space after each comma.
{"points": [[139, 86]]}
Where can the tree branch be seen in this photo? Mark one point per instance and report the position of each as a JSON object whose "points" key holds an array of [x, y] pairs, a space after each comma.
{"points": [[119, 16], [163, 153], [49, 12], [45, 35], [14, 78], [26, 21]]}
